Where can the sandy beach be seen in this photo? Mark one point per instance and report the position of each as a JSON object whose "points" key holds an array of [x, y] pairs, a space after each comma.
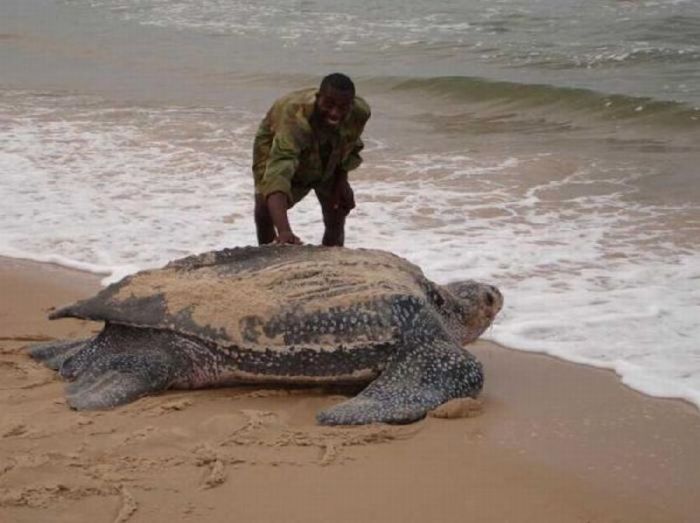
{"points": [[552, 441], [549, 148]]}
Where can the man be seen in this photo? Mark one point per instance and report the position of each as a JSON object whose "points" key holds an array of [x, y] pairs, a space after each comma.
{"points": [[309, 139]]}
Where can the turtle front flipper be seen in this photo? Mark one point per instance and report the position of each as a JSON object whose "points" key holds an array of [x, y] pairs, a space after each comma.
{"points": [[423, 376]]}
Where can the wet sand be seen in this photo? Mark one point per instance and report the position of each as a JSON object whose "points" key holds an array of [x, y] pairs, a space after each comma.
{"points": [[553, 442]]}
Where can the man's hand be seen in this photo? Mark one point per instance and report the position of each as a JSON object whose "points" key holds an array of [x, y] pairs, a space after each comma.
{"points": [[343, 197], [288, 237]]}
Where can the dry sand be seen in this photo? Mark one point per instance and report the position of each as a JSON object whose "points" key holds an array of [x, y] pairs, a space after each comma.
{"points": [[553, 442]]}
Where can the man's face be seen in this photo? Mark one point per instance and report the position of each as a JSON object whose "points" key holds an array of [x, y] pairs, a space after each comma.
{"points": [[332, 106]]}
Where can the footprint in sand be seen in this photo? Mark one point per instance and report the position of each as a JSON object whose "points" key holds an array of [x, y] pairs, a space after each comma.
{"points": [[15, 431]]}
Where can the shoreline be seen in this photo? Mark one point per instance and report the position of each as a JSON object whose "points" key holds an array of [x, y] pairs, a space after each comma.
{"points": [[555, 441]]}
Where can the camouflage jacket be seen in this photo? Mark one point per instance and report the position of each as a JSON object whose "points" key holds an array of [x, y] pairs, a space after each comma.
{"points": [[290, 156]]}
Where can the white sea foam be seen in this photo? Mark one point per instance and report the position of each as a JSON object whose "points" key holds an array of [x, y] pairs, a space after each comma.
{"points": [[587, 275], [120, 189]]}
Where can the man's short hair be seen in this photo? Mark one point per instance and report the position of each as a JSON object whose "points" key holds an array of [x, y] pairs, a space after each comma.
{"points": [[339, 82]]}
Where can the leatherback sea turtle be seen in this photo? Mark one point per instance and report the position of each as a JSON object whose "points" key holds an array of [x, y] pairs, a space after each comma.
{"points": [[286, 315]]}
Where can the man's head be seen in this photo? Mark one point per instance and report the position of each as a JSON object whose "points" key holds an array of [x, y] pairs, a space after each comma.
{"points": [[334, 99]]}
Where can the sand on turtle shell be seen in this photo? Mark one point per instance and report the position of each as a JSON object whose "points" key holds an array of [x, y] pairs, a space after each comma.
{"points": [[330, 279]]}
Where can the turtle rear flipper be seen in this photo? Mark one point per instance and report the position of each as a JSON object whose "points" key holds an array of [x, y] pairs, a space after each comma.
{"points": [[116, 379], [121, 365], [418, 380], [54, 353]]}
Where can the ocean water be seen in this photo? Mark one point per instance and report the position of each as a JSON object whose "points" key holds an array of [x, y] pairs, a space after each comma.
{"points": [[550, 147]]}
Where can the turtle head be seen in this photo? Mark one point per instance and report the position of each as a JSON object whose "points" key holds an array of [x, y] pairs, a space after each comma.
{"points": [[480, 303]]}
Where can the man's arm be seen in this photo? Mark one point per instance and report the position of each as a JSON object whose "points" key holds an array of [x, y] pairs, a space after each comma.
{"points": [[361, 115], [277, 204], [276, 183], [353, 160], [342, 196]]}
